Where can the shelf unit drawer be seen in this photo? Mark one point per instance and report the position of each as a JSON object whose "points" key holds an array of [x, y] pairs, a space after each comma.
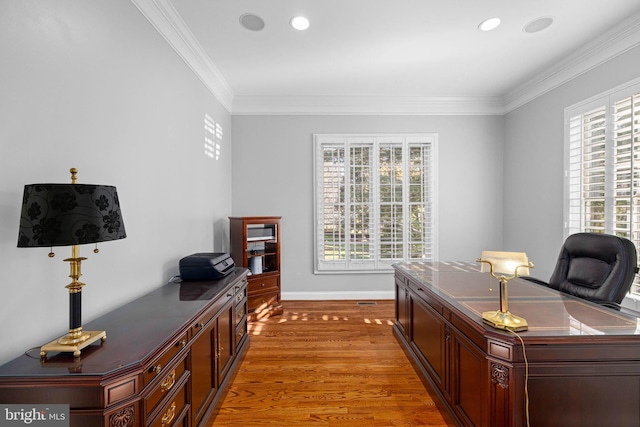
{"points": [[264, 284], [263, 300]]}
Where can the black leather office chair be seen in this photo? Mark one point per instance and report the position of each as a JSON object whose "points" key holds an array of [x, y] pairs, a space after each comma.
{"points": [[596, 267]]}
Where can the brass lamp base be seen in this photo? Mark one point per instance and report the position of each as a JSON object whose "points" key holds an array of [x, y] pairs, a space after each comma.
{"points": [[505, 320], [67, 344]]}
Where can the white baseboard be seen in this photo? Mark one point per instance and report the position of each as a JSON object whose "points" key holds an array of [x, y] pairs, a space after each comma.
{"points": [[332, 296]]}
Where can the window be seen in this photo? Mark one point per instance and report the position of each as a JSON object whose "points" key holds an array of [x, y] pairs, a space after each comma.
{"points": [[603, 165], [374, 201]]}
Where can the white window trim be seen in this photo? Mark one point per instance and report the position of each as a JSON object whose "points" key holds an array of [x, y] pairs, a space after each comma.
{"points": [[371, 266]]}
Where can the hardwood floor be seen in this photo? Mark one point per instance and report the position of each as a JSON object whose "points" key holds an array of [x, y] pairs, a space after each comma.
{"points": [[328, 363]]}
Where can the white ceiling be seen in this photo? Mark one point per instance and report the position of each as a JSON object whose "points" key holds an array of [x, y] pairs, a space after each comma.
{"points": [[385, 50]]}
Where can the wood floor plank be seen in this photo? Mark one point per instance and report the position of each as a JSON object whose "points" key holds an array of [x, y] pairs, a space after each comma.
{"points": [[328, 363]]}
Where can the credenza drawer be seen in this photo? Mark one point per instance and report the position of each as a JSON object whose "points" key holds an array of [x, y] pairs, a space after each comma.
{"points": [[241, 291], [158, 367], [201, 322], [241, 311], [121, 390], [172, 377], [241, 331], [173, 410]]}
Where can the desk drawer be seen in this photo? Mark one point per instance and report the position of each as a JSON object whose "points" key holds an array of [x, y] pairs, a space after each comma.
{"points": [[172, 377], [420, 291], [158, 367]]}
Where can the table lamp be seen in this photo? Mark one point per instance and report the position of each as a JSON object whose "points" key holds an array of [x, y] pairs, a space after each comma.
{"points": [[505, 266], [70, 215]]}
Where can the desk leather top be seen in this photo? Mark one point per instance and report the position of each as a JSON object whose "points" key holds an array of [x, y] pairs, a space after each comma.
{"points": [[548, 312]]}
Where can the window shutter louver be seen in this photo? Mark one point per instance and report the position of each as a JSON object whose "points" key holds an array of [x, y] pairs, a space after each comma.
{"points": [[374, 198], [603, 166]]}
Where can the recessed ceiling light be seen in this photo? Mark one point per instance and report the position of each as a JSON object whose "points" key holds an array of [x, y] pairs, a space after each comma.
{"points": [[251, 22], [299, 23], [489, 24], [538, 24]]}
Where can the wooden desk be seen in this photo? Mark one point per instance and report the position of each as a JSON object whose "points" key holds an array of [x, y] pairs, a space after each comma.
{"points": [[168, 357], [583, 360]]}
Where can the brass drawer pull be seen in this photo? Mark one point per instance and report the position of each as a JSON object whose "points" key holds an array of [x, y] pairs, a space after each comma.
{"points": [[168, 382], [156, 369], [181, 343], [169, 415], [199, 325]]}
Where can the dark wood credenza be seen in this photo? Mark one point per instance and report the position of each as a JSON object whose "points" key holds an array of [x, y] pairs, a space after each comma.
{"points": [[167, 361], [582, 364]]}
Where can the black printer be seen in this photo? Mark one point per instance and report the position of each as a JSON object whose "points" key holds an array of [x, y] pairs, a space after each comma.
{"points": [[206, 266]]}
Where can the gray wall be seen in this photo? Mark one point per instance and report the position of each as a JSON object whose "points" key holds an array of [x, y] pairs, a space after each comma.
{"points": [[91, 85], [273, 175], [534, 162]]}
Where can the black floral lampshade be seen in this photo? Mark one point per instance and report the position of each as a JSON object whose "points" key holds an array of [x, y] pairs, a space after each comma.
{"points": [[69, 214]]}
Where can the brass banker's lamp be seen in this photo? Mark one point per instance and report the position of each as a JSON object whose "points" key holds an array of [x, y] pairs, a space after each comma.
{"points": [[505, 266], [70, 215]]}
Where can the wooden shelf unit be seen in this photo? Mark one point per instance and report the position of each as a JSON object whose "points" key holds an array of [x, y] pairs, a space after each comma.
{"points": [[255, 245]]}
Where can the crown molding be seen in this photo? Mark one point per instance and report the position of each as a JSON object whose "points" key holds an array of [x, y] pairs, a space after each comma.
{"points": [[367, 105], [166, 20], [603, 48]]}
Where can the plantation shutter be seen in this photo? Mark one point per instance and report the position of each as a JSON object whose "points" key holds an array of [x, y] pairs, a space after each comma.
{"points": [[374, 201], [626, 164], [603, 166]]}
